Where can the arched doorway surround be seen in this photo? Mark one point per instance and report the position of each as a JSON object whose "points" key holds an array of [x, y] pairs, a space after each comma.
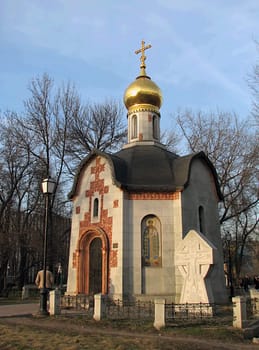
{"points": [[87, 241]]}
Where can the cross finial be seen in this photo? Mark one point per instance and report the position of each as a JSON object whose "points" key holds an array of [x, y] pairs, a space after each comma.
{"points": [[143, 57]]}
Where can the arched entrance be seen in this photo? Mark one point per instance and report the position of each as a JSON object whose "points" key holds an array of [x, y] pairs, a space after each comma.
{"points": [[95, 266], [92, 272]]}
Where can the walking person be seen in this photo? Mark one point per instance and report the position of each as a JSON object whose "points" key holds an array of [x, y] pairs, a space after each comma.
{"points": [[246, 283], [256, 282], [49, 279]]}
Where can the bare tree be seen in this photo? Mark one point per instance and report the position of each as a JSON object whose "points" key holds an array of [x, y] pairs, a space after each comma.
{"points": [[50, 138], [253, 82], [16, 196], [98, 126], [43, 130], [171, 139]]}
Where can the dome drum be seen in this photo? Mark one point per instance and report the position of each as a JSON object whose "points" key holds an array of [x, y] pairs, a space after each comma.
{"points": [[143, 108]]}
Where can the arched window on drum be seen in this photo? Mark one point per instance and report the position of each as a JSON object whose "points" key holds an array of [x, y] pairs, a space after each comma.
{"points": [[134, 127], [155, 127]]}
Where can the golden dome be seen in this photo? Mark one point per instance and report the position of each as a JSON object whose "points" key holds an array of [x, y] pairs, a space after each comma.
{"points": [[143, 93]]}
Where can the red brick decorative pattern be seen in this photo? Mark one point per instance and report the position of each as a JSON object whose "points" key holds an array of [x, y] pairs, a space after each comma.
{"points": [[98, 168], [116, 203], [114, 258], [105, 223], [88, 230], [154, 196], [97, 186], [74, 262]]}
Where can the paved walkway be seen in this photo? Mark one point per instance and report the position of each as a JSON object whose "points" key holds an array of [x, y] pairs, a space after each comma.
{"points": [[18, 310], [31, 309]]}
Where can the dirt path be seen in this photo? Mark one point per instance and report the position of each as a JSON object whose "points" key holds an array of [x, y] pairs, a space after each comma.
{"points": [[185, 342]]}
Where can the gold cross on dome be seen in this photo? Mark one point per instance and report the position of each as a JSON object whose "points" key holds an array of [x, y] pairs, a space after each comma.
{"points": [[142, 50]]}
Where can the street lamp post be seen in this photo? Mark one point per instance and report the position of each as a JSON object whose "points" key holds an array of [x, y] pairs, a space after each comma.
{"points": [[48, 186], [60, 276], [230, 276]]}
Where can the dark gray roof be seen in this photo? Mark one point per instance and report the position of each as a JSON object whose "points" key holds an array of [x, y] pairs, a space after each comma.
{"points": [[148, 168]]}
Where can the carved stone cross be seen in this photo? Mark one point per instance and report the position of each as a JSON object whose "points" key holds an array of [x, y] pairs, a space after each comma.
{"points": [[194, 256]]}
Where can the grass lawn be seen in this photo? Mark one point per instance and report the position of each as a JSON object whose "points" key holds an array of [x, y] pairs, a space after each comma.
{"points": [[76, 333]]}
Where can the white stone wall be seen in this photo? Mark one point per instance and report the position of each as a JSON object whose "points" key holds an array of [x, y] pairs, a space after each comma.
{"points": [[201, 191], [155, 280]]}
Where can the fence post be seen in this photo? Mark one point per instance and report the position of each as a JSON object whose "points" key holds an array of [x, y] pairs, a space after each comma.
{"points": [[25, 292], [55, 302], [159, 314], [99, 306], [254, 294], [239, 311]]}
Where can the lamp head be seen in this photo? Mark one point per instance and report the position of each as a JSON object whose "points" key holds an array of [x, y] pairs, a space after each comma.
{"points": [[48, 185]]}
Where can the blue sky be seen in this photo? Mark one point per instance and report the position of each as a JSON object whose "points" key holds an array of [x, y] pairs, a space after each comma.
{"points": [[202, 50]]}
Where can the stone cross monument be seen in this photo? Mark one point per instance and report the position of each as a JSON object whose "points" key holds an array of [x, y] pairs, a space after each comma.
{"points": [[194, 257]]}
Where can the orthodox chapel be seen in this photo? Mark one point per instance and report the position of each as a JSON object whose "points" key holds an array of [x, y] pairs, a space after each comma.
{"points": [[145, 221]]}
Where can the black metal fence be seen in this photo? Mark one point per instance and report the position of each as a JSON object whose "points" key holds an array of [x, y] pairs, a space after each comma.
{"points": [[188, 311], [145, 310], [80, 302], [198, 313], [252, 307], [126, 309]]}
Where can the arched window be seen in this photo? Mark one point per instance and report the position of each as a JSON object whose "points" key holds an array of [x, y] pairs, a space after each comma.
{"points": [[155, 127], [96, 207], [134, 127], [201, 220], [151, 241]]}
